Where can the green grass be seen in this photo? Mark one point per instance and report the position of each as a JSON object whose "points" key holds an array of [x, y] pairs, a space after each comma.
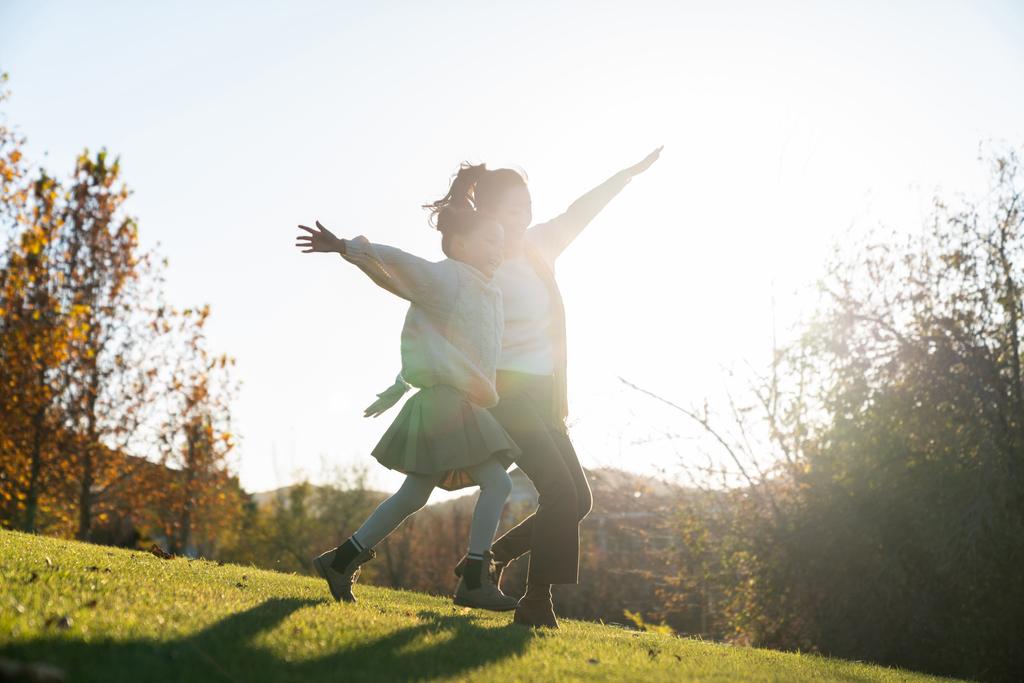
{"points": [[105, 614]]}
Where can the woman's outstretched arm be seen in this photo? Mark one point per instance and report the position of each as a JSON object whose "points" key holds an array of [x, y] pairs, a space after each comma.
{"points": [[553, 237], [401, 273]]}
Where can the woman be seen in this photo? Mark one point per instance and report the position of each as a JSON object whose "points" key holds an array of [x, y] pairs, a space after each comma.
{"points": [[531, 375]]}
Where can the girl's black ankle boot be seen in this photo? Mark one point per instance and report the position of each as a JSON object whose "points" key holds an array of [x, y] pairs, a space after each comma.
{"points": [[347, 552], [471, 575]]}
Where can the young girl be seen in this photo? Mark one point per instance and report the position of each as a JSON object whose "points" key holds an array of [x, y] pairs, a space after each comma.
{"points": [[443, 436], [531, 377]]}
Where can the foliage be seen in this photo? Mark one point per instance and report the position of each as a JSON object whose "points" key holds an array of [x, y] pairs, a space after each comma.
{"points": [[199, 502], [890, 527], [112, 409], [297, 523], [105, 614]]}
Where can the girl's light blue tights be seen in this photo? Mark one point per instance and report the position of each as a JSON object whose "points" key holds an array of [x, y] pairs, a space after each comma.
{"points": [[495, 485]]}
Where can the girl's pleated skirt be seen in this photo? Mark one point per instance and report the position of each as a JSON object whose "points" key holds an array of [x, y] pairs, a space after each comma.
{"points": [[439, 430]]}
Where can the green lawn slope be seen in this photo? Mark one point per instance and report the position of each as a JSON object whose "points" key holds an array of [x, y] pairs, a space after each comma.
{"points": [[105, 614]]}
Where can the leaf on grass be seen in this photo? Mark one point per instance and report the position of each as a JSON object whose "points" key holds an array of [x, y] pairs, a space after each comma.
{"points": [[678, 657], [91, 603], [49, 562], [593, 661], [239, 585], [92, 569], [653, 653], [32, 578], [221, 563], [65, 622], [160, 553]]}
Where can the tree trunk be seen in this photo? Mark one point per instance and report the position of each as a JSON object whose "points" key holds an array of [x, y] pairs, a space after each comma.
{"points": [[32, 497], [89, 457], [85, 493]]}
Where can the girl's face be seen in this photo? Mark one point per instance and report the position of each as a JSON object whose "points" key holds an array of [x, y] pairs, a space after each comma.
{"points": [[514, 210], [481, 248]]}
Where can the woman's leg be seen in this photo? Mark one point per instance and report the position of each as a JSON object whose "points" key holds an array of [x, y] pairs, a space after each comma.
{"points": [[584, 497], [495, 485], [517, 541], [551, 534]]}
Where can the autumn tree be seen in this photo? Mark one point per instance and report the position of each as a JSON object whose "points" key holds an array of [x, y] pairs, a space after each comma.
{"points": [[111, 405], [195, 499], [111, 286], [36, 334], [37, 328]]}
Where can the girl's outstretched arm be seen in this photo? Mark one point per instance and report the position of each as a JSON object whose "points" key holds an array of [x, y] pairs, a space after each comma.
{"points": [[401, 273], [553, 237]]}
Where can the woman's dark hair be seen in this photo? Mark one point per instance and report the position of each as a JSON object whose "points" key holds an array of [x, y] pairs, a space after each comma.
{"points": [[474, 187]]}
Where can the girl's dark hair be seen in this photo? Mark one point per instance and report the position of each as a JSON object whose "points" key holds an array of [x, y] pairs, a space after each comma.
{"points": [[474, 187], [451, 222]]}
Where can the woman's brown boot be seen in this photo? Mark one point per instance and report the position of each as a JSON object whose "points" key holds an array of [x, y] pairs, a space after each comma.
{"points": [[535, 608]]}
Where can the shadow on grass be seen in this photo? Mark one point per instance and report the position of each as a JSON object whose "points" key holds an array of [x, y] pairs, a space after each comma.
{"points": [[437, 647]]}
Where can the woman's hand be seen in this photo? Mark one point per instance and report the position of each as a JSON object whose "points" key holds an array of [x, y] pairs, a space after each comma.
{"points": [[646, 163], [322, 240]]}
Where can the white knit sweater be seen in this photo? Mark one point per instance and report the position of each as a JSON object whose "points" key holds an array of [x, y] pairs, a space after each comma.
{"points": [[452, 333], [527, 345]]}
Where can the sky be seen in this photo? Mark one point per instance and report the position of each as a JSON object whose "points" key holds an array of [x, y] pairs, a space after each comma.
{"points": [[785, 125]]}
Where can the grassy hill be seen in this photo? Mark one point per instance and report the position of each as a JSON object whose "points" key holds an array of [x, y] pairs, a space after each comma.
{"points": [[105, 614]]}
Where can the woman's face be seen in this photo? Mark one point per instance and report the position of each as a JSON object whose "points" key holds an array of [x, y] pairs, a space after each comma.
{"points": [[514, 210]]}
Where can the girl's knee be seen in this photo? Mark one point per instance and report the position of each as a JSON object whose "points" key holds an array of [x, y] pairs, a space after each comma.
{"points": [[413, 495], [497, 483], [505, 484]]}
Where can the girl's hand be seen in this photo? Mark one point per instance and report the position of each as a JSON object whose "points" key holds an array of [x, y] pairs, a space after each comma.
{"points": [[387, 398], [322, 240], [646, 163]]}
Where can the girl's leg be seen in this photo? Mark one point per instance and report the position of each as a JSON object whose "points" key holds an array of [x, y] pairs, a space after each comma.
{"points": [[340, 567], [495, 486], [476, 588], [408, 499]]}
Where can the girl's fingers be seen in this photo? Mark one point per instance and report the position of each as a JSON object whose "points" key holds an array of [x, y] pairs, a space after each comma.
{"points": [[309, 230], [324, 230]]}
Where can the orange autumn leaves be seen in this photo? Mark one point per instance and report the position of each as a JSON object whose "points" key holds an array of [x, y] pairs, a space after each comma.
{"points": [[113, 416]]}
